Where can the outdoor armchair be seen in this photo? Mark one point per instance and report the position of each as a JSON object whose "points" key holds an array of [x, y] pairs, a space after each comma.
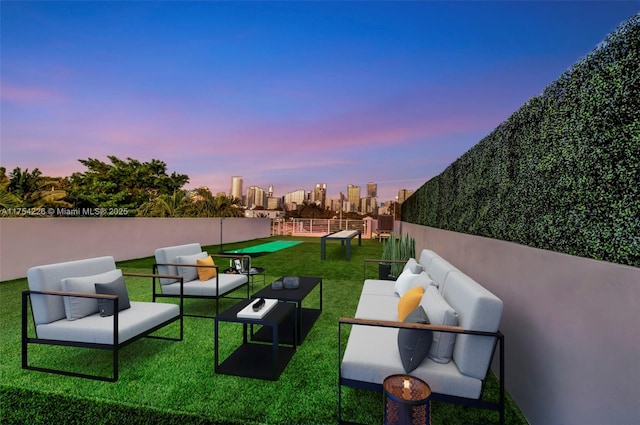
{"points": [[85, 303], [201, 276]]}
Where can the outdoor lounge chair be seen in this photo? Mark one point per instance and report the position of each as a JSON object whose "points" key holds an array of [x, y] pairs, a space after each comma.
{"points": [[67, 311], [181, 260], [385, 226]]}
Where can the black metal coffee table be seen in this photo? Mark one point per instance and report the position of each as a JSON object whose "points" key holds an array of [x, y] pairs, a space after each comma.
{"points": [[255, 359], [305, 316]]}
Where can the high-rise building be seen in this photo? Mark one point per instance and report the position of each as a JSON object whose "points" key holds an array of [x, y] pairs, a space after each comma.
{"points": [[256, 197], [236, 187], [295, 198], [403, 194], [353, 195], [372, 190], [320, 195], [273, 203]]}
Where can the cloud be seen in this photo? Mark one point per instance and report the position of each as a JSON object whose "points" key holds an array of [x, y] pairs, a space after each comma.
{"points": [[28, 95]]}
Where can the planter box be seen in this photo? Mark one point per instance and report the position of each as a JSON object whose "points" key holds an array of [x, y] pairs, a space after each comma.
{"points": [[384, 271]]}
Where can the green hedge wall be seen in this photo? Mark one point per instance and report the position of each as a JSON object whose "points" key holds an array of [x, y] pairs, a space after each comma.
{"points": [[563, 172]]}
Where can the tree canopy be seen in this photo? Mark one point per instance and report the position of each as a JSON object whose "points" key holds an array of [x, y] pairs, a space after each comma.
{"points": [[122, 184]]}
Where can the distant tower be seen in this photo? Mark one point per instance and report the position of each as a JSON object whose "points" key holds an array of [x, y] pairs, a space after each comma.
{"points": [[270, 191], [236, 187], [320, 194], [372, 190], [403, 194], [353, 195]]}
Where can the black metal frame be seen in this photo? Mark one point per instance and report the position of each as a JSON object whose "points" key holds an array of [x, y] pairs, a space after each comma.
{"points": [[157, 294], [113, 347], [470, 402]]}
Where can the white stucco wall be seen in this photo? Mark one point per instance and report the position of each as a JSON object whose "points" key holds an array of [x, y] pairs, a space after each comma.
{"points": [[27, 242], [571, 326]]}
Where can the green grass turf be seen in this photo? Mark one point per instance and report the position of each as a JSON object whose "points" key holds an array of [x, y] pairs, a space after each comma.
{"points": [[264, 248], [165, 382]]}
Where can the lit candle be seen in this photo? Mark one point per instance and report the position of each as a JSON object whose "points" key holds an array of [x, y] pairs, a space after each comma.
{"points": [[407, 389]]}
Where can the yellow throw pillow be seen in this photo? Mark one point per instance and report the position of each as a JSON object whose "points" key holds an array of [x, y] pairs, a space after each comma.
{"points": [[206, 273], [409, 302]]}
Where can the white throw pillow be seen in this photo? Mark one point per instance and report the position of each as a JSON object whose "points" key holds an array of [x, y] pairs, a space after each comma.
{"points": [[404, 282], [78, 307], [189, 273], [440, 313], [412, 265]]}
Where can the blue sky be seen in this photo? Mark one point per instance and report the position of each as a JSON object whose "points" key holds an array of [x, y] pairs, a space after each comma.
{"points": [[287, 94]]}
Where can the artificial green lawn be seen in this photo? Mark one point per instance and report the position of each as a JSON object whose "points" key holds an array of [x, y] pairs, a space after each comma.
{"points": [[166, 382]]}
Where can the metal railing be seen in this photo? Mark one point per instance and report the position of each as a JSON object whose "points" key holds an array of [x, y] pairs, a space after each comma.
{"points": [[317, 227]]}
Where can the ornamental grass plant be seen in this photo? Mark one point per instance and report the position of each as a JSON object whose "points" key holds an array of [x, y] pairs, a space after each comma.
{"points": [[167, 382]]}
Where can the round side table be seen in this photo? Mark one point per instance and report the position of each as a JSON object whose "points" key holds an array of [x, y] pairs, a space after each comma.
{"points": [[406, 400]]}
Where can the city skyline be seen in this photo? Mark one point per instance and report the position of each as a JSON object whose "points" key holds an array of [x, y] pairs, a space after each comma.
{"points": [[286, 94]]}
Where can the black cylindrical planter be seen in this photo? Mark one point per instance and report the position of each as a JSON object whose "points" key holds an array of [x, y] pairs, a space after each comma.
{"points": [[406, 401]]}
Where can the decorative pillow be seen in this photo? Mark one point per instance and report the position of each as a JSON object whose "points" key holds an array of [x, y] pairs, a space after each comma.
{"points": [[423, 280], [409, 302], [78, 307], [414, 344], [206, 273], [404, 282], [412, 265], [189, 273], [440, 313], [117, 287]]}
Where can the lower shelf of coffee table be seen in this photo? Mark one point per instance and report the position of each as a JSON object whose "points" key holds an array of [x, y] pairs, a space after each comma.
{"points": [[256, 361], [309, 318]]}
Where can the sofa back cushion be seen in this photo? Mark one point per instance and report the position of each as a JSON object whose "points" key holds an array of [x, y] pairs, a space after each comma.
{"points": [[48, 308], [425, 258], [479, 310], [169, 254], [438, 270]]}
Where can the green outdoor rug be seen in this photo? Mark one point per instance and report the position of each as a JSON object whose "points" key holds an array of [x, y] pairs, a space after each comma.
{"points": [[264, 248]]}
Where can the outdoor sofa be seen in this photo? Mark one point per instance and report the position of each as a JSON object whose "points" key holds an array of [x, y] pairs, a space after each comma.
{"points": [[451, 347], [201, 279], [84, 303]]}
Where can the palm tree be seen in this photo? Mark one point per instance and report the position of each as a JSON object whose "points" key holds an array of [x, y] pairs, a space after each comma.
{"points": [[165, 205]]}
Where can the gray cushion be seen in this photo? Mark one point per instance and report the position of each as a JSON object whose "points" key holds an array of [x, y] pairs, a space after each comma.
{"points": [[189, 273], [117, 287], [78, 307], [414, 344], [168, 255], [440, 313]]}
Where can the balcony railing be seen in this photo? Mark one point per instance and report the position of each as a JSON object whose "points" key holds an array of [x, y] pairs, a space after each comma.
{"points": [[317, 227]]}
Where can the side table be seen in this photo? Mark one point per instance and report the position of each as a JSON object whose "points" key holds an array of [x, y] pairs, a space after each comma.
{"points": [[406, 400], [257, 271]]}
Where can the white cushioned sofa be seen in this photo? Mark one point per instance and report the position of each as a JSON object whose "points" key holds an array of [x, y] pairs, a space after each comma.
{"points": [[99, 305], [182, 260], [447, 336]]}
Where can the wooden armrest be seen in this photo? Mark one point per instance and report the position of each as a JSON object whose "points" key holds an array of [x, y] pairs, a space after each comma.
{"points": [[405, 325], [369, 260], [182, 265], [74, 294], [230, 255]]}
